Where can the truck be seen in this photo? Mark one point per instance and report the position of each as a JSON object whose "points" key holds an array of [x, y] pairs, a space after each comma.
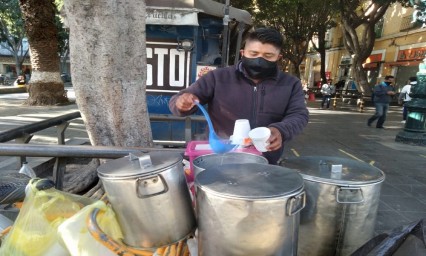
{"points": [[186, 39]]}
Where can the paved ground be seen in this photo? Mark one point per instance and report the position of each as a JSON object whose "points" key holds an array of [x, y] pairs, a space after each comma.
{"points": [[342, 133]]}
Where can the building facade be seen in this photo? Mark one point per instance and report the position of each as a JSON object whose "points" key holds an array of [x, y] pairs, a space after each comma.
{"points": [[399, 48], [8, 62]]}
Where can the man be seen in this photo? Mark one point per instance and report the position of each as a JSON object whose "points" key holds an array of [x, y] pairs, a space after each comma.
{"points": [[404, 96], [327, 90], [254, 89], [20, 81], [383, 93]]}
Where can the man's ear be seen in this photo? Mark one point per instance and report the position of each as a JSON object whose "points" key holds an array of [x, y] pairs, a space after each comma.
{"points": [[241, 53], [280, 57]]}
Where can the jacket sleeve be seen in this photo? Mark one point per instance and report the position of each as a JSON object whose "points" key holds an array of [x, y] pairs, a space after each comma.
{"points": [[296, 116], [403, 92], [203, 88]]}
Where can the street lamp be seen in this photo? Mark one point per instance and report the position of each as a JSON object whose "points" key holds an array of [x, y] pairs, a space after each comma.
{"points": [[415, 127]]}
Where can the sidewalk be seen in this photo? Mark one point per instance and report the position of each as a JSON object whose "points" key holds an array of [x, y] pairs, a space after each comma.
{"points": [[344, 133], [341, 133]]}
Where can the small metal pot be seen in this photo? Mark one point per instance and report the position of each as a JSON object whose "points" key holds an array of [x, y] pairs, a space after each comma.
{"points": [[248, 209], [204, 162], [150, 196]]}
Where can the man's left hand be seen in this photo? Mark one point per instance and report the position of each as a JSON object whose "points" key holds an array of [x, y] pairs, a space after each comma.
{"points": [[275, 140]]}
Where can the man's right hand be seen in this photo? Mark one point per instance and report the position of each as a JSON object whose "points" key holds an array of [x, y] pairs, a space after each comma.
{"points": [[185, 102]]}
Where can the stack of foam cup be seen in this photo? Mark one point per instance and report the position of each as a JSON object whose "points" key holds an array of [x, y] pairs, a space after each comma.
{"points": [[241, 130]]}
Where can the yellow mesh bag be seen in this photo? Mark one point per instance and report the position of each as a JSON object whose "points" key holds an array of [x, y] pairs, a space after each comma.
{"points": [[77, 238], [35, 230]]}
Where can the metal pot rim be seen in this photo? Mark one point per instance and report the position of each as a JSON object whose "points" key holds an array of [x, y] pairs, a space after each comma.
{"points": [[127, 168], [251, 198], [341, 182]]}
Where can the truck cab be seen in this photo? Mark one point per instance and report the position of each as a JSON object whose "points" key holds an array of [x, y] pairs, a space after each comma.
{"points": [[186, 39]]}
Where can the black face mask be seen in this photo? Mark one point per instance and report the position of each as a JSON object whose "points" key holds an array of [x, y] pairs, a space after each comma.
{"points": [[259, 68]]}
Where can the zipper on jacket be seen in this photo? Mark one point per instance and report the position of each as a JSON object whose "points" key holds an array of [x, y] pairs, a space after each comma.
{"points": [[254, 105], [262, 96]]}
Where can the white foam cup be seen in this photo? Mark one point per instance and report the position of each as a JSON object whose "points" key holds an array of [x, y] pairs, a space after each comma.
{"points": [[259, 137], [241, 131]]}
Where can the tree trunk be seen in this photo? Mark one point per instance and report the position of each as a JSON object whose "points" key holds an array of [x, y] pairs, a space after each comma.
{"points": [[358, 31], [361, 78], [108, 57], [46, 86], [321, 51]]}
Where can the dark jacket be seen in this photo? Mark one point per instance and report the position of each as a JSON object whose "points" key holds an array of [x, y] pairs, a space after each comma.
{"points": [[275, 102], [380, 93]]}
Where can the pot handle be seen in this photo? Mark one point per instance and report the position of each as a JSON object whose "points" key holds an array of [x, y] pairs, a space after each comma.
{"points": [[296, 204], [151, 186], [342, 189]]}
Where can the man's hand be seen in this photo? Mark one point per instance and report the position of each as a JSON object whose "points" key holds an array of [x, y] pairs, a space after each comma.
{"points": [[391, 93], [185, 102], [275, 140]]}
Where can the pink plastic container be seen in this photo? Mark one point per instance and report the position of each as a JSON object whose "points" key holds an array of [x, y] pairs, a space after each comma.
{"points": [[197, 148]]}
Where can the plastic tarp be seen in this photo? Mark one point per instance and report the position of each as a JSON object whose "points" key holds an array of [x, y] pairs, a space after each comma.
{"points": [[401, 241]]}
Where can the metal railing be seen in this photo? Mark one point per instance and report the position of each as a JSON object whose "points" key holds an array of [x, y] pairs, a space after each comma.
{"points": [[23, 134]]}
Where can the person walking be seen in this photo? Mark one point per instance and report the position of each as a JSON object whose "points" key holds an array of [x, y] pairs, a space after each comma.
{"points": [[383, 93], [327, 90], [404, 96], [254, 89]]}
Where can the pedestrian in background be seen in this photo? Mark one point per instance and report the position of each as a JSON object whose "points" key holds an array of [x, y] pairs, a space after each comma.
{"points": [[20, 81], [327, 90], [404, 96], [383, 93]]}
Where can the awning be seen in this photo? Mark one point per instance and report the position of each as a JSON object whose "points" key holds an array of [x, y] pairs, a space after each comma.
{"points": [[371, 65], [184, 12], [217, 9], [403, 63]]}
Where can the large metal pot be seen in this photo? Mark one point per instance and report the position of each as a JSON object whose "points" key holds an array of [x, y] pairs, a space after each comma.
{"points": [[204, 162], [342, 202], [150, 197], [248, 209]]}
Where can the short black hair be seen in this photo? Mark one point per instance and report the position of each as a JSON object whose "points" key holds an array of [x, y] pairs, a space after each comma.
{"points": [[389, 77], [267, 36], [413, 79]]}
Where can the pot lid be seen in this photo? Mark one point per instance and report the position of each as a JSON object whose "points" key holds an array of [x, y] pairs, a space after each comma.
{"points": [[335, 170], [250, 181], [139, 164]]}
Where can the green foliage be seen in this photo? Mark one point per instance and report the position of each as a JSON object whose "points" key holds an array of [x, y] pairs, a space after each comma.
{"points": [[63, 34], [11, 23], [298, 20]]}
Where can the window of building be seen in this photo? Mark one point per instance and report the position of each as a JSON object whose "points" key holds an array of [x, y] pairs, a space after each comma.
{"points": [[378, 28], [408, 23]]}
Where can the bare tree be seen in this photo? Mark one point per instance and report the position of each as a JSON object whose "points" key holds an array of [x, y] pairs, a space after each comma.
{"points": [[12, 32], [108, 63], [359, 18], [45, 86], [297, 20]]}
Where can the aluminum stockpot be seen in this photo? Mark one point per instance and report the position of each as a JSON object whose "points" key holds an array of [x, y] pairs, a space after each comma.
{"points": [[208, 161], [248, 210], [150, 197], [342, 202]]}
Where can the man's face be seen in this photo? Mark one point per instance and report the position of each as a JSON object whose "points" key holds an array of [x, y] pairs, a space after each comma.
{"points": [[254, 49], [390, 81]]}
